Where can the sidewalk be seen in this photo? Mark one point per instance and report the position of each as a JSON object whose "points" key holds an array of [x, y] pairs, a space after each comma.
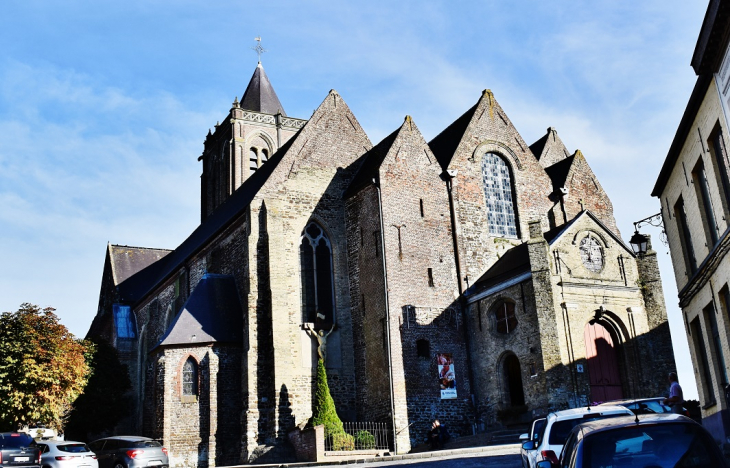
{"points": [[507, 449]]}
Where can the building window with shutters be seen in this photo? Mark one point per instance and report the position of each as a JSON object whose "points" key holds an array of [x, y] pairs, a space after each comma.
{"points": [[721, 166], [702, 187], [318, 297], [499, 195], [685, 237]]}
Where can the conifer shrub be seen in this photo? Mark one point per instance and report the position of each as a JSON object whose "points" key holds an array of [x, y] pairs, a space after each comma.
{"points": [[324, 413], [364, 440]]}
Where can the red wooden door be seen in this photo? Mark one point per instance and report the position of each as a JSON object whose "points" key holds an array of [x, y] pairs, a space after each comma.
{"points": [[602, 364]]}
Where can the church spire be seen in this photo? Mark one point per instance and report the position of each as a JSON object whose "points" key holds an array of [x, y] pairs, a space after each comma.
{"points": [[260, 95]]}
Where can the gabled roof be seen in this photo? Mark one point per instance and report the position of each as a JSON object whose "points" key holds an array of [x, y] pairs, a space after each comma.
{"points": [[137, 286], [126, 260], [260, 95], [559, 171], [445, 143], [370, 165], [212, 314], [549, 149]]}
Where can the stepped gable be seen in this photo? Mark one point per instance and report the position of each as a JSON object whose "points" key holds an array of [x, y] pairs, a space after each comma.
{"points": [[139, 285], [260, 95], [582, 189], [126, 260], [212, 314], [549, 149]]}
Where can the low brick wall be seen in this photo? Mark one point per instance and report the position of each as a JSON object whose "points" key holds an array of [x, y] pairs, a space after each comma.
{"points": [[309, 447]]}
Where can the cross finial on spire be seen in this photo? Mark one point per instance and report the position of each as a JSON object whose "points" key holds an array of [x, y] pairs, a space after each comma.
{"points": [[259, 50]]}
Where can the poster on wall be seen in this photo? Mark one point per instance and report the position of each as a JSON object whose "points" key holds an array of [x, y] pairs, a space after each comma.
{"points": [[447, 376]]}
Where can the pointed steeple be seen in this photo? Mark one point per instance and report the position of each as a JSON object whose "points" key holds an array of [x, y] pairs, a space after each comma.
{"points": [[260, 95]]}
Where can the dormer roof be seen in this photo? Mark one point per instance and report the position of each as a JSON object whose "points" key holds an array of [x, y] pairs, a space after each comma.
{"points": [[260, 95]]}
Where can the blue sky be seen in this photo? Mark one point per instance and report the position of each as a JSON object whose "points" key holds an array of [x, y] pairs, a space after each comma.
{"points": [[104, 107]]}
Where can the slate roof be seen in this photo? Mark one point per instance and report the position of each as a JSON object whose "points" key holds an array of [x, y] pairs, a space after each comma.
{"points": [[515, 261], [137, 286], [126, 261], [212, 314], [559, 171], [445, 143], [260, 95], [371, 165]]}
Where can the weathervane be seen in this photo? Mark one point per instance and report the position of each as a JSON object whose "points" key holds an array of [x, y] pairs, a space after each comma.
{"points": [[259, 50]]}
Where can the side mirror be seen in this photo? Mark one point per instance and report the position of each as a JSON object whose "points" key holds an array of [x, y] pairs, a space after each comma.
{"points": [[544, 464], [529, 445], [525, 436]]}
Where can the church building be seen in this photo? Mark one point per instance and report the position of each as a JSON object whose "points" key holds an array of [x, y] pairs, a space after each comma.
{"points": [[475, 279]]}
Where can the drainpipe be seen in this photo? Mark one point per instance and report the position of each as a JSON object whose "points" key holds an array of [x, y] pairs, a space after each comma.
{"points": [[447, 176], [376, 183]]}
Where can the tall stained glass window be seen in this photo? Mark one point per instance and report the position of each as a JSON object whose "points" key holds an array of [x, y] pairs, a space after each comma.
{"points": [[501, 216], [190, 377], [124, 321], [315, 252]]}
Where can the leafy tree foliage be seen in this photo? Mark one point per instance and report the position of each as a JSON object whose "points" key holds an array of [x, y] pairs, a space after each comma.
{"points": [[104, 402], [43, 368]]}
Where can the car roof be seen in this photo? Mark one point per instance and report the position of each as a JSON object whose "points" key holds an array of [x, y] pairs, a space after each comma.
{"points": [[60, 442], [630, 400], [600, 425], [574, 413], [128, 438]]}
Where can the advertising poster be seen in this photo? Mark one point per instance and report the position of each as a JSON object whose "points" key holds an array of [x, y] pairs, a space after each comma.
{"points": [[447, 377]]}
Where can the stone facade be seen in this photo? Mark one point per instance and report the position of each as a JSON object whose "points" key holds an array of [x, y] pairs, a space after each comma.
{"points": [[695, 197], [398, 256]]}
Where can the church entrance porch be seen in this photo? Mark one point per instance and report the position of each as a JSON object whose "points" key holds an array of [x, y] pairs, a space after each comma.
{"points": [[603, 370]]}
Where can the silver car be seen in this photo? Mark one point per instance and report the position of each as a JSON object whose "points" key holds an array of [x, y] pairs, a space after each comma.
{"points": [[66, 454], [130, 452]]}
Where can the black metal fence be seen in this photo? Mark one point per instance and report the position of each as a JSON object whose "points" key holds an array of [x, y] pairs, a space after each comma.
{"points": [[359, 436]]}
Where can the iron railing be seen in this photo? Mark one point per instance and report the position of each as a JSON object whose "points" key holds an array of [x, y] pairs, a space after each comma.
{"points": [[359, 436]]}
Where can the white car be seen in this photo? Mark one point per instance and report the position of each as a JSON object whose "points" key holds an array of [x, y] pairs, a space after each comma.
{"points": [[66, 454], [547, 435]]}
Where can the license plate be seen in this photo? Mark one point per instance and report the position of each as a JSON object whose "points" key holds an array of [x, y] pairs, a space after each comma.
{"points": [[154, 462], [17, 459]]}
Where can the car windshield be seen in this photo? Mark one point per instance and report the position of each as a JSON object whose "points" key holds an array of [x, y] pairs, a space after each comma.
{"points": [[143, 443], [561, 429], [16, 440], [682, 445], [539, 429], [73, 448]]}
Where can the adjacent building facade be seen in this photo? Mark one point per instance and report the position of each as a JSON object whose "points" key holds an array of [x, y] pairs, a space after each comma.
{"points": [[473, 278], [694, 190]]}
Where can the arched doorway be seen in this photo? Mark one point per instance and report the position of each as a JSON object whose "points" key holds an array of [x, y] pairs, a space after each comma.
{"points": [[603, 370], [513, 380]]}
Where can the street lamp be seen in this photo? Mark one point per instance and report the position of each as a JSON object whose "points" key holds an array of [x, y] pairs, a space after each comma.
{"points": [[639, 242]]}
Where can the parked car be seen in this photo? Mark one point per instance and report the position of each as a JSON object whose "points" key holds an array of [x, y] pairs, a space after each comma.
{"points": [[645, 405], [129, 452], [66, 454], [649, 441], [17, 449], [557, 426]]}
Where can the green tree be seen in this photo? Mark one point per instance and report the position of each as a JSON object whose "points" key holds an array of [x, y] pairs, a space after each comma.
{"points": [[43, 368], [104, 402], [324, 411]]}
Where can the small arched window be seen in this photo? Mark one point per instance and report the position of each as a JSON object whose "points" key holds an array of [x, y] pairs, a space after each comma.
{"points": [[318, 298], [501, 212], [504, 316], [190, 377]]}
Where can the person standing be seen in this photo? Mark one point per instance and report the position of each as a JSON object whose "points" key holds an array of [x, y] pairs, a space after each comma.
{"points": [[676, 398]]}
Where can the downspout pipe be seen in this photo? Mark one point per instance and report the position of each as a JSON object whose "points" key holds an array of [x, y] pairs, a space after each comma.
{"points": [[447, 177], [376, 184]]}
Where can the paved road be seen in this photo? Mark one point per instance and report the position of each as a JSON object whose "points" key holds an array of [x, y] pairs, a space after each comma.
{"points": [[466, 460]]}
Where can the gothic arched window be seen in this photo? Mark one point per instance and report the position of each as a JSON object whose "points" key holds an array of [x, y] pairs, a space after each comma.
{"points": [[253, 160], [318, 299], [501, 212], [190, 377], [124, 322]]}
